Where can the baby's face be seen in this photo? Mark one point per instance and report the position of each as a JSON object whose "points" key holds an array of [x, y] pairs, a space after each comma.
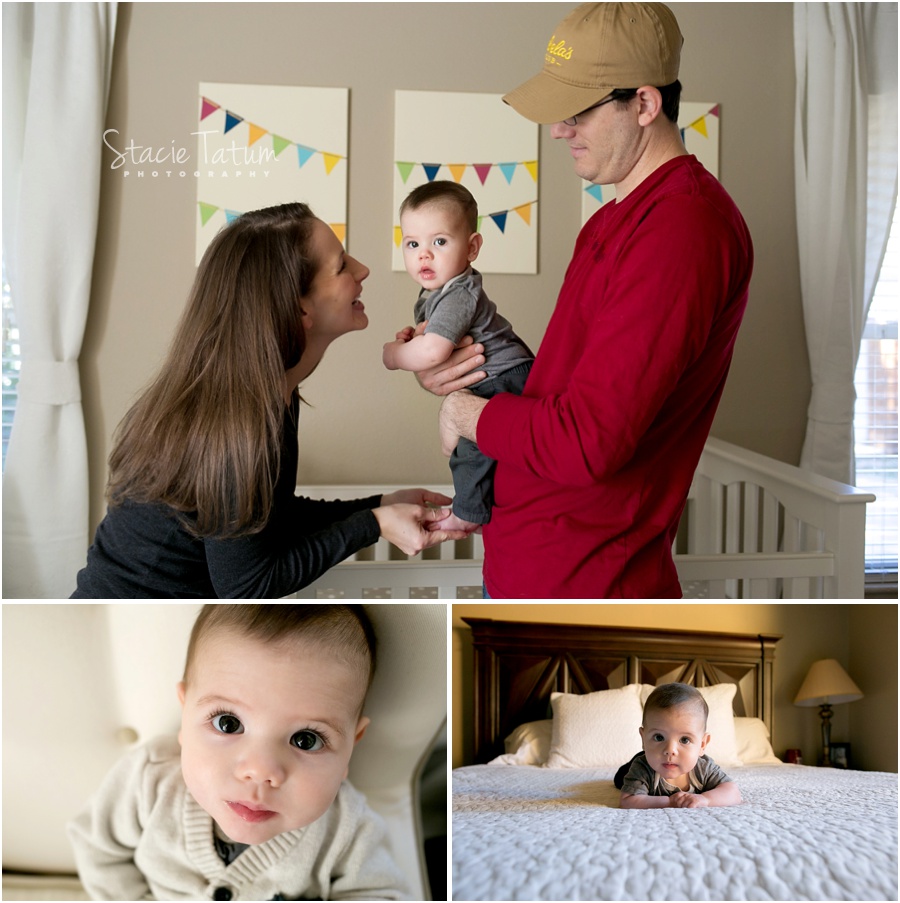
{"points": [[674, 739], [437, 244], [267, 732]]}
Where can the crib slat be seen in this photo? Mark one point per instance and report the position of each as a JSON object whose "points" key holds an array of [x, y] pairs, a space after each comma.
{"points": [[797, 588], [732, 537], [770, 511], [751, 518]]}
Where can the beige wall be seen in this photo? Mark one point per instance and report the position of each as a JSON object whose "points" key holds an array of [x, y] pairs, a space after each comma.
{"points": [[366, 424], [873, 659], [863, 638]]}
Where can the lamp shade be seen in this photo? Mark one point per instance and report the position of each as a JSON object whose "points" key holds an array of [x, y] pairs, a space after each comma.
{"points": [[827, 683]]}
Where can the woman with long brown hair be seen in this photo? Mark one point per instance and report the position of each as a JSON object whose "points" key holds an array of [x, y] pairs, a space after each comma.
{"points": [[203, 470]]}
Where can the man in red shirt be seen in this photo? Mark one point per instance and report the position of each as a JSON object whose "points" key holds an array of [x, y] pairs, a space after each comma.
{"points": [[596, 457]]}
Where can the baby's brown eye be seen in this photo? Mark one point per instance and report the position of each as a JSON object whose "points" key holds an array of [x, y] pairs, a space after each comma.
{"points": [[308, 741], [227, 724]]}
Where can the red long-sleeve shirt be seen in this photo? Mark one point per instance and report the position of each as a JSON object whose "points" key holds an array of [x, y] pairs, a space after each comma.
{"points": [[596, 458]]}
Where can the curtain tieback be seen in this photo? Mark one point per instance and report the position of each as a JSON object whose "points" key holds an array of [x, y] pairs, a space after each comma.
{"points": [[832, 402], [50, 382]]}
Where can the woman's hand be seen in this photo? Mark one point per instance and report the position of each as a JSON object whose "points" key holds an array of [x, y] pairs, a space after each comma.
{"points": [[415, 497], [406, 526]]}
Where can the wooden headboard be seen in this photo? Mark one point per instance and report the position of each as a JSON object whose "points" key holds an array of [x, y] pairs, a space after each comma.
{"points": [[519, 664]]}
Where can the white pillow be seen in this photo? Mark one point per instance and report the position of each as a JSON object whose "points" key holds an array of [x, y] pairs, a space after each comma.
{"points": [[595, 730], [722, 747], [753, 744], [528, 744]]}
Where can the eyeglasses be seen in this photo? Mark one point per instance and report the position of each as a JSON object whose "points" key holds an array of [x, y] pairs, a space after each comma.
{"points": [[574, 119], [617, 94]]}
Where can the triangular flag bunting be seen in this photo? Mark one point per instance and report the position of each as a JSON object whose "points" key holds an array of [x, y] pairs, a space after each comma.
{"points": [[508, 169], [207, 108], [682, 134], [331, 160], [206, 211], [482, 169], [478, 224], [304, 153], [596, 192], [431, 170], [398, 236], [255, 133], [340, 230], [532, 167], [457, 170], [279, 144], [231, 121], [714, 111], [700, 126], [405, 169], [499, 219], [231, 215], [524, 210]]}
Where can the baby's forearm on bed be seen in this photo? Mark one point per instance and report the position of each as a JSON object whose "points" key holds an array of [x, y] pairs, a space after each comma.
{"points": [[726, 794], [642, 801]]}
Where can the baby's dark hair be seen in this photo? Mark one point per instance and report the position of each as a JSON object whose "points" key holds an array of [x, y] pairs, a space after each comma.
{"points": [[668, 696], [345, 629], [447, 193]]}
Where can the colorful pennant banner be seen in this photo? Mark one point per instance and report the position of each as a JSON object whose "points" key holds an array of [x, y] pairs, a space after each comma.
{"points": [[207, 211], [699, 125], [279, 143], [498, 219], [458, 170]]}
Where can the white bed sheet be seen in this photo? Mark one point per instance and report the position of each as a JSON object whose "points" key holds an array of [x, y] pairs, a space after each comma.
{"points": [[802, 833]]}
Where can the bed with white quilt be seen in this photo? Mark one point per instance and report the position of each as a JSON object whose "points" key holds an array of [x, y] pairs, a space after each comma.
{"points": [[540, 819]]}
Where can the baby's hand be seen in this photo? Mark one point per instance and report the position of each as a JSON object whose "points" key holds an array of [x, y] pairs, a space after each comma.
{"points": [[682, 800]]}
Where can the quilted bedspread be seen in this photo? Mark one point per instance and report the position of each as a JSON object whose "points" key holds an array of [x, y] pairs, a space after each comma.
{"points": [[802, 833]]}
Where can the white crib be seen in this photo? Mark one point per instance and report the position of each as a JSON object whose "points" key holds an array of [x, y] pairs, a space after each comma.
{"points": [[753, 528]]}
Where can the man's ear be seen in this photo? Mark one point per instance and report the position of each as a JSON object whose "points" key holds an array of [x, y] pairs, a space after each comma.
{"points": [[650, 104]]}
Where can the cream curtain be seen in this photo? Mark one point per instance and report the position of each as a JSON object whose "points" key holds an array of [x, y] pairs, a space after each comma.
{"points": [[56, 70], [845, 141]]}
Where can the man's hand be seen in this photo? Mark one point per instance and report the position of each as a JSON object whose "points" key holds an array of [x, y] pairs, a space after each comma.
{"points": [[459, 418], [456, 372]]}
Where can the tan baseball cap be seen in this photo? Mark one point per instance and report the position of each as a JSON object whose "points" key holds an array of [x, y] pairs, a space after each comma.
{"points": [[597, 48]]}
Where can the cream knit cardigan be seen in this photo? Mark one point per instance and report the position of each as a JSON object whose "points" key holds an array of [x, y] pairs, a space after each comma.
{"points": [[142, 836]]}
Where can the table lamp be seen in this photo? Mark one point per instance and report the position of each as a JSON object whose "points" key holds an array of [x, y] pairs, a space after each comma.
{"points": [[827, 684]]}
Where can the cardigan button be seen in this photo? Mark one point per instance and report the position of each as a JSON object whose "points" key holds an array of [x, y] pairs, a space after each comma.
{"points": [[222, 893]]}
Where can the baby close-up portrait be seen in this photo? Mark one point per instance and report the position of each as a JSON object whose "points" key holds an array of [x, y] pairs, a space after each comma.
{"points": [[250, 800]]}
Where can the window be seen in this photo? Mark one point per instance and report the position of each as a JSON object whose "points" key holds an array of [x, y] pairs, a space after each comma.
{"points": [[875, 421], [11, 364]]}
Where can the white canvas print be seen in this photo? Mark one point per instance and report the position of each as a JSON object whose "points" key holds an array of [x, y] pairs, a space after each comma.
{"points": [[483, 144], [263, 145]]}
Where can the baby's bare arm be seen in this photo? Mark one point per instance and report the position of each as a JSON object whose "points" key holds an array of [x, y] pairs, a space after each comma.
{"points": [[726, 794], [420, 352], [642, 801]]}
